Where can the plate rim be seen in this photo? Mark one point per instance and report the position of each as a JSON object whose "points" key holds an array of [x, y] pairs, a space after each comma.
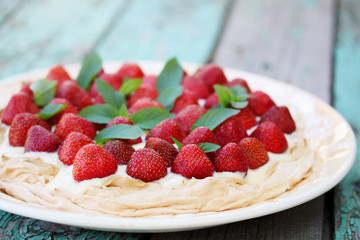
{"points": [[177, 222]]}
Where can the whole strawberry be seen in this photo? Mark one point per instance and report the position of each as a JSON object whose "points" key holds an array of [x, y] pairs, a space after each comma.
{"points": [[121, 150], [21, 124], [40, 139], [271, 136], [124, 120], [239, 81], [74, 93], [69, 109], [247, 117], [166, 150], [130, 70], [19, 103], [26, 89], [191, 162], [260, 102], [254, 152], [93, 161], [211, 74], [165, 130], [231, 159], [145, 90], [188, 116], [211, 101], [71, 145], [229, 131], [200, 135], [58, 73], [281, 117], [187, 98], [196, 86], [147, 165], [144, 103], [74, 123]]}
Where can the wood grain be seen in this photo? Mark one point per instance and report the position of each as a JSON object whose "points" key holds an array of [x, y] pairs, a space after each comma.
{"points": [[346, 101], [287, 40]]}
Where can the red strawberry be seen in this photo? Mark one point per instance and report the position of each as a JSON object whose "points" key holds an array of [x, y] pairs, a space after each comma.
{"points": [[69, 109], [230, 131], [166, 150], [196, 86], [230, 159], [281, 117], [72, 144], [21, 124], [74, 93], [59, 74], [191, 162], [130, 70], [124, 120], [212, 101], [144, 103], [147, 165], [186, 99], [188, 116], [254, 152], [200, 135], [144, 91], [115, 80], [93, 161], [239, 81], [271, 136], [26, 89], [260, 102], [166, 129], [247, 117], [40, 139], [151, 80], [211, 74], [74, 123], [19, 103], [121, 150]]}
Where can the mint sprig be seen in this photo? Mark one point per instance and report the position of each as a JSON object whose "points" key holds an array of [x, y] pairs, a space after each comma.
{"points": [[235, 96], [43, 91], [148, 118], [90, 68], [100, 113], [206, 146], [109, 94], [119, 131], [130, 85], [51, 110], [168, 97], [214, 117]]}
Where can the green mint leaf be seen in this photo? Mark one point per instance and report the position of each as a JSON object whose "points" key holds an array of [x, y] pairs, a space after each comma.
{"points": [[177, 142], [148, 118], [214, 117], [170, 76], [100, 113], [239, 104], [168, 97], [43, 90], [120, 131], [223, 94], [124, 111], [130, 86], [50, 110], [208, 147], [90, 68], [109, 94], [238, 90]]}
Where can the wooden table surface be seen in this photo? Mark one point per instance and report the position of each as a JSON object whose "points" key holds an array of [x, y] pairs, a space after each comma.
{"points": [[313, 44]]}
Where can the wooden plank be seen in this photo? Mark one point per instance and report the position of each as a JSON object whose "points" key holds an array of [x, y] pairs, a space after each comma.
{"points": [[288, 40], [44, 33], [162, 29], [346, 100]]}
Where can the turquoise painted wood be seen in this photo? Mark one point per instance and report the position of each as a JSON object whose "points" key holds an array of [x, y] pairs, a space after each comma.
{"points": [[346, 101], [36, 34], [160, 29]]}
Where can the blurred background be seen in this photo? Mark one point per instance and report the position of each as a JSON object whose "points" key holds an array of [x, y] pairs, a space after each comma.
{"points": [[313, 44]]}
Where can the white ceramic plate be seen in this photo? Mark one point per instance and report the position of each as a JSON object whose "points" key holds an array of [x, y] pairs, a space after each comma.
{"points": [[333, 172]]}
